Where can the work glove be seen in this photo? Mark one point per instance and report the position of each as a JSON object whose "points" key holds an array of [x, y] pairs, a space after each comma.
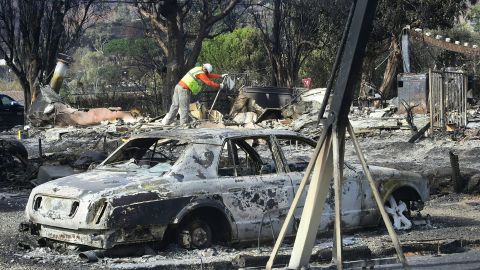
{"points": [[221, 86], [224, 75]]}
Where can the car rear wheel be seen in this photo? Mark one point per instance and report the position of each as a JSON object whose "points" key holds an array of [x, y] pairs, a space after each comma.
{"points": [[398, 212], [195, 233]]}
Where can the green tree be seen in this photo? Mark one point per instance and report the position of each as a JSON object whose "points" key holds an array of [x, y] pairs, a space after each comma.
{"points": [[236, 52], [317, 66], [123, 65], [143, 63], [179, 28]]}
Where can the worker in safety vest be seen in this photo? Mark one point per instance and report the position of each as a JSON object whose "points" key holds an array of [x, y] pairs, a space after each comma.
{"points": [[191, 83]]}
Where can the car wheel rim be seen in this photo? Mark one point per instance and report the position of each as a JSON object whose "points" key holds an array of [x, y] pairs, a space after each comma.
{"points": [[396, 212], [199, 237]]}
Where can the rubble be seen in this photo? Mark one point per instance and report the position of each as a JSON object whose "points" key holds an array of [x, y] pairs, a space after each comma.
{"points": [[79, 146], [473, 185], [14, 164], [88, 158], [245, 117], [49, 109], [315, 94]]}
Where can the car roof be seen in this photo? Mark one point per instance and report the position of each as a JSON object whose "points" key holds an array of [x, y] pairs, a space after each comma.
{"points": [[214, 135]]}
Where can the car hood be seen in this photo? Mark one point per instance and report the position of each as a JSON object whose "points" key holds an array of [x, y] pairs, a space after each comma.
{"points": [[106, 183]]}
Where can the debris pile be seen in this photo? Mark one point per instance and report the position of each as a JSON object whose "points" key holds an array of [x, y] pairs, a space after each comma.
{"points": [[49, 109], [14, 163], [64, 140]]}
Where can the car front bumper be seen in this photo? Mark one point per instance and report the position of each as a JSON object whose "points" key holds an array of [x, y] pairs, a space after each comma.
{"points": [[103, 239]]}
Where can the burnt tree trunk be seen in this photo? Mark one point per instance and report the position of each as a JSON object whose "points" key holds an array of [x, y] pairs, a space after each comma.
{"points": [[171, 25], [367, 72], [276, 52], [391, 69], [32, 77], [27, 92], [175, 59]]}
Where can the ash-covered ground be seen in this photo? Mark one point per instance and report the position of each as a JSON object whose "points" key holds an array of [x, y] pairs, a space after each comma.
{"points": [[452, 216]]}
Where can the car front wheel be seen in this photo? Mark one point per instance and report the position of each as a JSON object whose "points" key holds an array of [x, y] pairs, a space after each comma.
{"points": [[195, 233]]}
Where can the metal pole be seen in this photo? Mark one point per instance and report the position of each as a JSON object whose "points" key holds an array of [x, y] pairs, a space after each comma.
{"points": [[104, 143], [378, 200], [215, 100]]}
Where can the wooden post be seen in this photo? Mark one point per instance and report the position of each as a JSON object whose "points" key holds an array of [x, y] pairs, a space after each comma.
{"points": [[313, 209], [298, 195], [430, 99], [338, 138]]}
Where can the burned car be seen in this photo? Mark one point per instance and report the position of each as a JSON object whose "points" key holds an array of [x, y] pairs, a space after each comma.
{"points": [[204, 186]]}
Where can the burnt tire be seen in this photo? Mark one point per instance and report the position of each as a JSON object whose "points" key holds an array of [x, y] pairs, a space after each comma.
{"points": [[195, 234]]}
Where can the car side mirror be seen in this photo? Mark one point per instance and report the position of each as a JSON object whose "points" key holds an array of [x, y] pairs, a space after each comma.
{"points": [[14, 104]]}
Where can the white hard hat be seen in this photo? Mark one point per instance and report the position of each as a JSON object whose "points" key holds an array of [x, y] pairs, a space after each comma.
{"points": [[208, 67]]}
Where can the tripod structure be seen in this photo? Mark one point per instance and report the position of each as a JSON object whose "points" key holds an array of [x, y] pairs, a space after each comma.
{"points": [[328, 158]]}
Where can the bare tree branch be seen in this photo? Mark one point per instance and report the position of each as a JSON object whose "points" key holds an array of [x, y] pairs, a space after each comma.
{"points": [[32, 33]]}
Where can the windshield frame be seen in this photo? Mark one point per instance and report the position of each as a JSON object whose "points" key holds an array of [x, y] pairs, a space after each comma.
{"points": [[141, 142]]}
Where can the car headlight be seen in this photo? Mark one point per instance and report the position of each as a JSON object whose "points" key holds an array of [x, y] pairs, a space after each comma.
{"points": [[96, 211]]}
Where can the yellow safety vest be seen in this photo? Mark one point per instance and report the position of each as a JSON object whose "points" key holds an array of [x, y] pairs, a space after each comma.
{"points": [[194, 84]]}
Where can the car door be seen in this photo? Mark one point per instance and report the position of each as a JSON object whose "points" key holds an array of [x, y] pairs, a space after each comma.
{"points": [[276, 184], [352, 196], [5, 115], [11, 113], [252, 187], [297, 152]]}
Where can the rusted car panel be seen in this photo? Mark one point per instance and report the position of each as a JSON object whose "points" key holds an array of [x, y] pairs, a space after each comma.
{"points": [[241, 180]]}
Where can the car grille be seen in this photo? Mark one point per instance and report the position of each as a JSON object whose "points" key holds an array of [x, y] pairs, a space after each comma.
{"points": [[55, 207]]}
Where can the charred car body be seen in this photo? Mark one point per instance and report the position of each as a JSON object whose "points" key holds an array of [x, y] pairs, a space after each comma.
{"points": [[202, 186]]}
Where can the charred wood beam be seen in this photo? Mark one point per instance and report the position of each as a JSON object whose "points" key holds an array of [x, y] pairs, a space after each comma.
{"points": [[410, 117], [443, 44], [458, 181], [419, 134]]}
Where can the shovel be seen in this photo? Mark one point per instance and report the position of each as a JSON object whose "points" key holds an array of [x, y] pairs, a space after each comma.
{"points": [[230, 85]]}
